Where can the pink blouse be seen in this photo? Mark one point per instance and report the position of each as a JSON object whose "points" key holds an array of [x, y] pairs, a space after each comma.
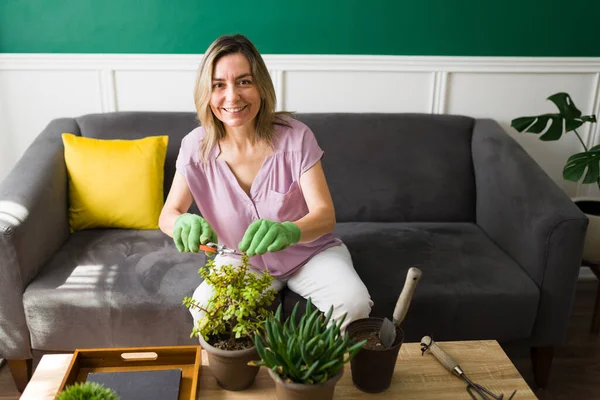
{"points": [[275, 193]]}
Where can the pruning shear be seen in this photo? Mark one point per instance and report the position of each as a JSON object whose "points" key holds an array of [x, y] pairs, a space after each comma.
{"points": [[219, 249]]}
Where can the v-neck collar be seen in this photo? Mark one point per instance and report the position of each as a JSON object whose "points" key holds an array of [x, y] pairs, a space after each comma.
{"points": [[258, 181]]}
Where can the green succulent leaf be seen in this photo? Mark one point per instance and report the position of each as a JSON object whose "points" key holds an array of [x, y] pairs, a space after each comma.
{"points": [[308, 308], [310, 370], [293, 317], [328, 316], [289, 363], [331, 364], [277, 342], [278, 313], [330, 335], [270, 358], [353, 351], [311, 319], [320, 377], [312, 342], [286, 325], [340, 349], [578, 163], [269, 331], [341, 321], [305, 354]]}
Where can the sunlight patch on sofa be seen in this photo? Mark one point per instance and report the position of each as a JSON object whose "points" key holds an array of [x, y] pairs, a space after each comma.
{"points": [[91, 277], [12, 213]]}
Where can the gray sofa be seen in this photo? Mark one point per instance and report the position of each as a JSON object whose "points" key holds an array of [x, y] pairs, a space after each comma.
{"points": [[498, 242]]}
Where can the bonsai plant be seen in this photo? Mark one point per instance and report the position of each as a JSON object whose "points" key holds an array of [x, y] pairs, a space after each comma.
{"points": [[234, 313], [87, 391], [306, 359], [585, 164]]}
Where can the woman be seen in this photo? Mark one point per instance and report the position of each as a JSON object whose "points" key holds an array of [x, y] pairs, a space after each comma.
{"points": [[257, 179]]}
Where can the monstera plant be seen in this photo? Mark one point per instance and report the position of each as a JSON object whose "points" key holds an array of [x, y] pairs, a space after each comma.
{"points": [[585, 164], [568, 119]]}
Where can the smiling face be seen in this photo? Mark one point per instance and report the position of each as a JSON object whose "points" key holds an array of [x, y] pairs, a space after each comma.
{"points": [[235, 98]]}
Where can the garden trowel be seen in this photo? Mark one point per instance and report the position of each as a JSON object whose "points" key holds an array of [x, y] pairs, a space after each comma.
{"points": [[387, 333]]}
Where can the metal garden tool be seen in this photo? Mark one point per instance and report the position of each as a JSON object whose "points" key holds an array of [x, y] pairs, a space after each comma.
{"points": [[448, 362], [387, 333]]}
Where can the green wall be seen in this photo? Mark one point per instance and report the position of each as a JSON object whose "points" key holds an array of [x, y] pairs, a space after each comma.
{"points": [[397, 27]]}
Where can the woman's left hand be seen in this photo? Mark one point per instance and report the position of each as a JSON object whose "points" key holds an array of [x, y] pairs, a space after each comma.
{"points": [[264, 235]]}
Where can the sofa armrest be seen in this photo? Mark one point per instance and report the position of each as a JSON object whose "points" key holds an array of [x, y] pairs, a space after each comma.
{"points": [[33, 226], [523, 210]]}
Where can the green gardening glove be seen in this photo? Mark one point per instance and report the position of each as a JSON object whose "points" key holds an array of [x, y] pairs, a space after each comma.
{"points": [[190, 231], [264, 235]]}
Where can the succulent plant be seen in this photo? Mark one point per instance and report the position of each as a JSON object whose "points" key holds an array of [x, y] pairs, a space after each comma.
{"points": [[310, 352]]}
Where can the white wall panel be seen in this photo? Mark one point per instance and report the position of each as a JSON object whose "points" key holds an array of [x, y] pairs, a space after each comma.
{"points": [[7, 156], [155, 90], [35, 88], [349, 91], [32, 98], [504, 96]]}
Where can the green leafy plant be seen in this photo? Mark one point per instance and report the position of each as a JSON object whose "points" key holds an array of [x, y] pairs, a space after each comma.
{"points": [[239, 305], [87, 391], [310, 352], [567, 119]]}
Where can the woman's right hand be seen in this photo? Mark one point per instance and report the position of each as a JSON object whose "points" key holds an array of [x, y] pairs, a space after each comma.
{"points": [[191, 231]]}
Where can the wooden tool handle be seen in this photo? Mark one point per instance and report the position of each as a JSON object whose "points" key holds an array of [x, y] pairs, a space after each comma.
{"points": [[444, 358], [412, 278]]}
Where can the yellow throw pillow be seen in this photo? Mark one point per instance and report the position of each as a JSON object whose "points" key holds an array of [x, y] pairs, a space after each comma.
{"points": [[115, 183]]}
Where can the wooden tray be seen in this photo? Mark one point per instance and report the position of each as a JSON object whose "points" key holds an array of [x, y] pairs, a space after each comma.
{"points": [[186, 358]]}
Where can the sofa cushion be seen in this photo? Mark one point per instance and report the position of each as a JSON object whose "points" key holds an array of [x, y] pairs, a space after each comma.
{"points": [[470, 288], [136, 125], [115, 183], [110, 288], [397, 167]]}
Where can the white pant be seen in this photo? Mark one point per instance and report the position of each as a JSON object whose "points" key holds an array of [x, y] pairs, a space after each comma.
{"points": [[328, 279]]}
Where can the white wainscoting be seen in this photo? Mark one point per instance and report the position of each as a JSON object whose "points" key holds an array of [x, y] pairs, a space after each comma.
{"points": [[35, 88]]}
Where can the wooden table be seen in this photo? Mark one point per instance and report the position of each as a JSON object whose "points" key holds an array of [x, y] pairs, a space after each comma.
{"points": [[415, 376]]}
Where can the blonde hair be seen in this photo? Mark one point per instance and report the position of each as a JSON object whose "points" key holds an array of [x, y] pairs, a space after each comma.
{"points": [[266, 117]]}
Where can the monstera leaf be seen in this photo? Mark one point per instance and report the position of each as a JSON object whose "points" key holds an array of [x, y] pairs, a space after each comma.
{"points": [[577, 164], [567, 112]]}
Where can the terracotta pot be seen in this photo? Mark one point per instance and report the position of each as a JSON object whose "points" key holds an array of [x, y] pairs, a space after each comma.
{"points": [[300, 391], [230, 367], [372, 369], [590, 206]]}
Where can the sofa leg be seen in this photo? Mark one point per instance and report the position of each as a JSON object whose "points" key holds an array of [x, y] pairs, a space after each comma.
{"points": [[541, 358], [596, 315], [21, 372]]}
